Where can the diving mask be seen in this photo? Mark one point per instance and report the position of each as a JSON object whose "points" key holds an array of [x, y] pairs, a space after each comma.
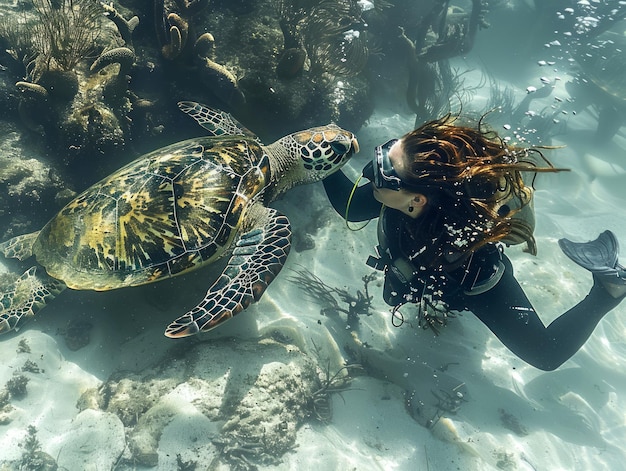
{"points": [[380, 170]]}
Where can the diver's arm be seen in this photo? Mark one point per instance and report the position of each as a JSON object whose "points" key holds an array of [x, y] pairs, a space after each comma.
{"points": [[363, 206]]}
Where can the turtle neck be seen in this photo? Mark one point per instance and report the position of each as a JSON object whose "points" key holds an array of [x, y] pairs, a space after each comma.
{"points": [[281, 165]]}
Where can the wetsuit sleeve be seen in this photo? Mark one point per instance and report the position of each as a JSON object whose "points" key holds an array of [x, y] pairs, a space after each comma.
{"points": [[363, 206], [508, 313]]}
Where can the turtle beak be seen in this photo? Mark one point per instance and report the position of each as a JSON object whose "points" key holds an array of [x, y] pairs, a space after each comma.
{"points": [[347, 150], [355, 144]]}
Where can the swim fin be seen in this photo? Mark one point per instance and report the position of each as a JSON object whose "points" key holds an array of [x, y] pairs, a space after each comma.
{"points": [[598, 256]]}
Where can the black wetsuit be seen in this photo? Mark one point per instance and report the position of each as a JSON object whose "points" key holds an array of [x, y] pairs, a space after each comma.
{"points": [[503, 308]]}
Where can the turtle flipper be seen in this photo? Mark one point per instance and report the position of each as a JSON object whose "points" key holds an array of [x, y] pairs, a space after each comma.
{"points": [[216, 122], [256, 260], [20, 247], [29, 294]]}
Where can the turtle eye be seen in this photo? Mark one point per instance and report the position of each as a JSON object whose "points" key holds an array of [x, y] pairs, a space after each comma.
{"points": [[339, 147]]}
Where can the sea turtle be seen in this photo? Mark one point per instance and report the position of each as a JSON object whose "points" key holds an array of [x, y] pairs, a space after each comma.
{"points": [[176, 209]]}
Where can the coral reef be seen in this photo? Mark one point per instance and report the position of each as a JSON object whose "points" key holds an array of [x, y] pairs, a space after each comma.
{"points": [[48, 53], [27, 181], [94, 86], [97, 86]]}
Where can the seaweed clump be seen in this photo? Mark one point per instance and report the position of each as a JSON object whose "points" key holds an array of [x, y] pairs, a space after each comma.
{"points": [[33, 457], [5, 407], [315, 289], [66, 31], [17, 386], [50, 43], [23, 347], [329, 32]]}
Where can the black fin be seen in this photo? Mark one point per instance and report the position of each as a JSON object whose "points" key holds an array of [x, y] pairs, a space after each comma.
{"points": [[598, 256]]}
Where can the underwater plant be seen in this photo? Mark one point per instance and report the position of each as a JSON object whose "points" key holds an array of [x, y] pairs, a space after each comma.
{"points": [[17, 386], [315, 289], [331, 33], [63, 33], [23, 347], [443, 33], [33, 458], [31, 367], [320, 403]]}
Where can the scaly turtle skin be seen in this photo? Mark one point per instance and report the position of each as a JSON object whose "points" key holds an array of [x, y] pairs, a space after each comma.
{"points": [[174, 210]]}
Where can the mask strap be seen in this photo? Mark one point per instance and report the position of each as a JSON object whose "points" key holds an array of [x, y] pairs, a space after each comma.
{"points": [[354, 187]]}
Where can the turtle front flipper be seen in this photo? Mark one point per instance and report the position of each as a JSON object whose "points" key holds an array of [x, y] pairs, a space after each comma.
{"points": [[256, 260], [25, 297], [217, 122]]}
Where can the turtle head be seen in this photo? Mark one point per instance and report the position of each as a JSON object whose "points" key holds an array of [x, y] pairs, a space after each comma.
{"points": [[323, 150], [311, 155]]}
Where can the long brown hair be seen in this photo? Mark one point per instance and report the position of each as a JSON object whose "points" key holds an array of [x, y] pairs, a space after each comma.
{"points": [[467, 175]]}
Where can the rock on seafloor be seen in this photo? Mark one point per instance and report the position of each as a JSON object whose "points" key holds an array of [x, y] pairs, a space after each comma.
{"points": [[228, 402]]}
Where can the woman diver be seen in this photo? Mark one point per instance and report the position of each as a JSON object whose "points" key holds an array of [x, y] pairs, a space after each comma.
{"points": [[447, 197]]}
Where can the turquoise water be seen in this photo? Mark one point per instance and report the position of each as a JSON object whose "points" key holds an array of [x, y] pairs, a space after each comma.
{"points": [[292, 382]]}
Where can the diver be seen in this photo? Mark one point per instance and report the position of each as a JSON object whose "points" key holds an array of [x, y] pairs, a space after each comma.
{"points": [[448, 199]]}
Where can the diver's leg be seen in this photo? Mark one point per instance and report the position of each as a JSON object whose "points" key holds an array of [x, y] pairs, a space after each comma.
{"points": [[508, 313]]}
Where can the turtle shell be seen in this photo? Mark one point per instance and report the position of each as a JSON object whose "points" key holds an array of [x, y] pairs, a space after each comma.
{"points": [[166, 213]]}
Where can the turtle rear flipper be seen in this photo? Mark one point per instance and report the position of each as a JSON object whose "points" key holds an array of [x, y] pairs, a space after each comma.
{"points": [[256, 260], [20, 247], [30, 293]]}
